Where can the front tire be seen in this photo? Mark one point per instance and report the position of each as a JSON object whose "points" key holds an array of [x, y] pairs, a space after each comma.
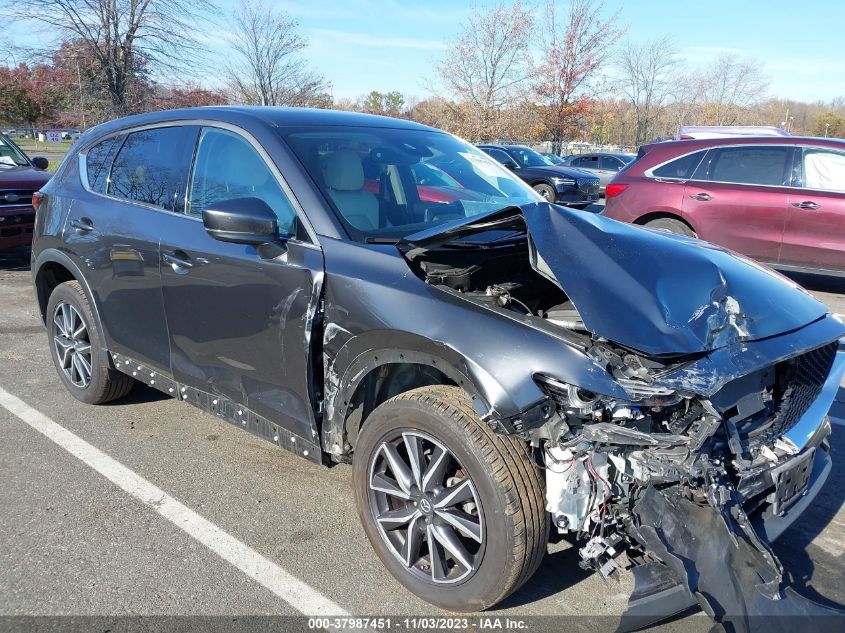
{"points": [[76, 346], [455, 512], [547, 191]]}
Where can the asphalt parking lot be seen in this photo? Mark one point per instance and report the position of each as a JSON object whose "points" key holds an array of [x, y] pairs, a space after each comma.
{"points": [[74, 543]]}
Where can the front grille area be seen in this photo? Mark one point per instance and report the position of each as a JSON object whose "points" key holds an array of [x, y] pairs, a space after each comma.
{"points": [[588, 185], [13, 224], [804, 377], [15, 197]]}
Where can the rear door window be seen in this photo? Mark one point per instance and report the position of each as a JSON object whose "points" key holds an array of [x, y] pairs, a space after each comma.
{"points": [[767, 165], [823, 169], [98, 161], [681, 168], [610, 163], [151, 167], [590, 162]]}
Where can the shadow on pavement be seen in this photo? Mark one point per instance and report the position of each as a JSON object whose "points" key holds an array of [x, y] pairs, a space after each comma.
{"points": [[15, 260], [819, 283], [140, 394], [802, 573], [558, 571]]}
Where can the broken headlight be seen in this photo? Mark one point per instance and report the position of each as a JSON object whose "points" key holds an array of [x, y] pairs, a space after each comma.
{"points": [[568, 396]]}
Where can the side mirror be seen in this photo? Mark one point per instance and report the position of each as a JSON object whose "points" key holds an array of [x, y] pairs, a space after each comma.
{"points": [[242, 221], [39, 162], [511, 166]]}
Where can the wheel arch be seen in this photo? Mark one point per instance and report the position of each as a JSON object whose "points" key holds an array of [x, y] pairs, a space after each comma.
{"points": [[355, 387], [53, 267], [668, 215], [542, 181]]}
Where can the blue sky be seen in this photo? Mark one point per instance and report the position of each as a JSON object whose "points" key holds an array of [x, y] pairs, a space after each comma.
{"points": [[363, 45]]}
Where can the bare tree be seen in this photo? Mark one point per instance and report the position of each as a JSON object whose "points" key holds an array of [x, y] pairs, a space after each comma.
{"points": [[488, 62], [268, 68], [575, 49], [730, 87], [646, 73], [124, 37]]}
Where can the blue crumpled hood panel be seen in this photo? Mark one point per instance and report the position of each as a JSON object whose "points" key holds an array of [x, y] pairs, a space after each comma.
{"points": [[660, 293], [655, 292]]}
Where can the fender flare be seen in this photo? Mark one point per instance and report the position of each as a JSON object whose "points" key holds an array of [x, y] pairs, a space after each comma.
{"points": [[361, 354], [54, 255]]}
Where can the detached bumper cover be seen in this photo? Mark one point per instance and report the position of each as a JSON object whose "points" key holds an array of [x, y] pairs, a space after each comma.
{"points": [[660, 592]]}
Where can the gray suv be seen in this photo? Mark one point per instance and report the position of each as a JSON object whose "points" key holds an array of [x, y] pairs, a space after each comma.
{"points": [[494, 367]]}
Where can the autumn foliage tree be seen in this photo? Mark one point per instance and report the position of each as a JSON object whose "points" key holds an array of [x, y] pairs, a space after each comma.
{"points": [[386, 103], [489, 63], [123, 37], [29, 95], [575, 47]]}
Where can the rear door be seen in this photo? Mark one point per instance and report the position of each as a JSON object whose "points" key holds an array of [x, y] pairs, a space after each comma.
{"points": [[588, 161], [739, 198], [815, 229], [240, 316], [609, 166], [133, 184]]}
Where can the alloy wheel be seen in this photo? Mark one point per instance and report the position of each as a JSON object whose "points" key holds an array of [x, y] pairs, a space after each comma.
{"points": [[426, 507], [73, 347]]}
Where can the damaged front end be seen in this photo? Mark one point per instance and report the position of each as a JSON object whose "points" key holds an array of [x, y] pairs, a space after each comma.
{"points": [[721, 439], [694, 488]]}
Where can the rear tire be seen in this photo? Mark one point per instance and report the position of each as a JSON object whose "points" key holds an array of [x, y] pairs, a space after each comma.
{"points": [[505, 512], [671, 226], [76, 346]]}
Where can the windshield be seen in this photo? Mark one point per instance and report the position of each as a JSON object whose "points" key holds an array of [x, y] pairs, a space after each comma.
{"points": [[529, 158], [10, 154], [388, 183]]}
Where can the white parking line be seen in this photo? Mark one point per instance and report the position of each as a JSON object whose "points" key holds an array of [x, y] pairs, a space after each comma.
{"points": [[296, 593]]}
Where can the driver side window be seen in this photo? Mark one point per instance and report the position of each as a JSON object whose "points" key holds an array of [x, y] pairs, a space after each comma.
{"points": [[227, 166]]}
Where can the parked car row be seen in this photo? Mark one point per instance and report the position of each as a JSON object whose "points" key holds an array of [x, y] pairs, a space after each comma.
{"points": [[20, 178], [555, 182], [777, 199]]}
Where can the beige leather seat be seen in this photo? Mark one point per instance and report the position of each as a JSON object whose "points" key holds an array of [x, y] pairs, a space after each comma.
{"points": [[345, 185]]}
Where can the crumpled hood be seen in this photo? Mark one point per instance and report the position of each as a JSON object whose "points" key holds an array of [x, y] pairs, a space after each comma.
{"points": [[651, 291]]}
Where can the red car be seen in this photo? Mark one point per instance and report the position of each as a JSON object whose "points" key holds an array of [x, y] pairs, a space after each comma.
{"points": [[780, 200], [433, 185], [20, 177]]}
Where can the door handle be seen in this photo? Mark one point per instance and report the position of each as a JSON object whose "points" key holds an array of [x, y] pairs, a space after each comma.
{"points": [[82, 225], [806, 204], [703, 197], [179, 261]]}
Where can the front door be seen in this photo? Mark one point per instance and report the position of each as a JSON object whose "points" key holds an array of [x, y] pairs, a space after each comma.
{"points": [[739, 198], [815, 230], [240, 320]]}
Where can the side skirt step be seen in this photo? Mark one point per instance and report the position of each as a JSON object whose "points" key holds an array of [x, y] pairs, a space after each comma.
{"points": [[221, 407]]}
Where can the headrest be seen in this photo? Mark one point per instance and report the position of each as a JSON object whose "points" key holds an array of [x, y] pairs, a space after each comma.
{"points": [[344, 171]]}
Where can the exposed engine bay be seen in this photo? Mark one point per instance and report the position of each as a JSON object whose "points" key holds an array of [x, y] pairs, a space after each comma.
{"points": [[667, 474]]}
